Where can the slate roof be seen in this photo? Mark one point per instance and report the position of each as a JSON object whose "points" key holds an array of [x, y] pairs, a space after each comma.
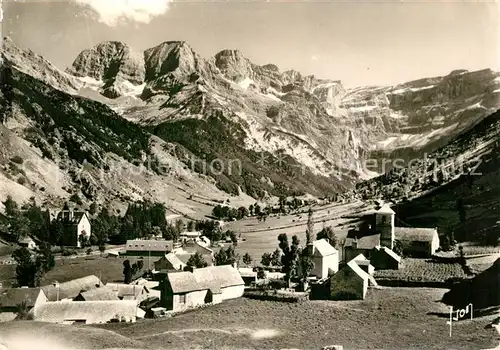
{"points": [[324, 248], [174, 260], [102, 293], [72, 288], [12, 297], [91, 311], [385, 209], [366, 242], [389, 252], [183, 282], [212, 277], [414, 234]]}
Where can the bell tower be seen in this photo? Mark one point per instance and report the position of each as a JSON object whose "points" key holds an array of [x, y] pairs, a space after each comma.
{"points": [[384, 224]]}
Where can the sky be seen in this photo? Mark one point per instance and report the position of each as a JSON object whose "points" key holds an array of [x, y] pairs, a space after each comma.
{"points": [[360, 43]]}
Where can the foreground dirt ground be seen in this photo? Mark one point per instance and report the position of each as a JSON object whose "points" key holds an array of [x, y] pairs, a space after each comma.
{"points": [[390, 318]]}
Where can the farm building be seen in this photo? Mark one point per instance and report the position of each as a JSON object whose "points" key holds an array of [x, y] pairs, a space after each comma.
{"points": [[325, 258], [129, 291], [153, 287], [351, 282], [28, 242], [213, 284], [12, 298], [382, 258], [101, 293], [191, 248], [150, 247], [169, 261], [87, 312], [70, 289], [418, 242], [191, 235], [248, 275], [76, 224], [378, 229]]}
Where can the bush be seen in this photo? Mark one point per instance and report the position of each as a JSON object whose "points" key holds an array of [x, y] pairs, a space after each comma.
{"points": [[68, 252], [89, 251], [17, 160], [75, 198], [21, 180]]}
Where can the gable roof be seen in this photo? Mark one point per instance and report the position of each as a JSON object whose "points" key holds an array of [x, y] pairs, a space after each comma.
{"points": [[173, 259], [102, 293], [324, 248], [183, 282], [71, 288], [223, 276], [84, 310], [364, 242], [385, 209], [414, 234], [12, 297], [389, 252], [358, 270]]}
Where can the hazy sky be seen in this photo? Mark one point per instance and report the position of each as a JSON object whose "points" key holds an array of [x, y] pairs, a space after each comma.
{"points": [[359, 43]]}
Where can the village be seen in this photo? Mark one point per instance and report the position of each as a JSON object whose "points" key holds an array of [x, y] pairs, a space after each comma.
{"points": [[163, 278]]}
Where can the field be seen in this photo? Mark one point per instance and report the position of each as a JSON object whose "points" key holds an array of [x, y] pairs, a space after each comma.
{"points": [[108, 269], [390, 318], [262, 237], [422, 270]]}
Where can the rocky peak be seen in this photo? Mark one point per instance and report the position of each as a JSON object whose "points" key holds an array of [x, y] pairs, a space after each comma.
{"points": [[112, 62], [234, 65]]}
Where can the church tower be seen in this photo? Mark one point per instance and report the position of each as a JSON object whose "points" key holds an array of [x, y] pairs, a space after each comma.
{"points": [[384, 224]]}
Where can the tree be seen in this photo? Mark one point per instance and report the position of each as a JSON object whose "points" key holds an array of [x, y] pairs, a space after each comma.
{"points": [[226, 257], [179, 226], [28, 271], [256, 209], [310, 226], [247, 259], [266, 259], [242, 212], [190, 226], [102, 248], [462, 214], [290, 255], [250, 209], [234, 238], [11, 207], [93, 209], [328, 234], [196, 260], [140, 264], [45, 258], [127, 272], [306, 265], [23, 311], [276, 258]]}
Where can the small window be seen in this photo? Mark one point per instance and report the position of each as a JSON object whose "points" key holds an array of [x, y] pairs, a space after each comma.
{"points": [[182, 298]]}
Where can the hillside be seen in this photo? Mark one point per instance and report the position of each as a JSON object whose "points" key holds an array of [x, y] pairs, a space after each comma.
{"points": [[455, 188]]}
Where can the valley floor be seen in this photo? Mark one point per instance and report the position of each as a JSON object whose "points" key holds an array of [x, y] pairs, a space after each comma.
{"points": [[389, 318]]}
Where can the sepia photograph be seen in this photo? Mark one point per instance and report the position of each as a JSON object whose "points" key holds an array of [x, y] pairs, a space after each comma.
{"points": [[249, 174]]}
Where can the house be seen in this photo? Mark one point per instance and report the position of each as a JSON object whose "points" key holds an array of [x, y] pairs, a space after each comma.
{"points": [[187, 236], [150, 247], [191, 248], [129, 291], [69, 290], [213, 284], [378, 229], [418, 242], [28, 242], [351, 282], [12, 298], [76, 227], [169, 261], [153, 287], [383, 258], [325, 258], [101, 293], [248, 275], [204, 241], [87, 312]]}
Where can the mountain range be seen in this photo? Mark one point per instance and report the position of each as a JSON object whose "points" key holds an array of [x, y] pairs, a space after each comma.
{"points": [[167, 124]]}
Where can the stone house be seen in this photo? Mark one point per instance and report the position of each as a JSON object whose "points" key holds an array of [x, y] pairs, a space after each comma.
{"points": [[76, 224], [325, 258]]}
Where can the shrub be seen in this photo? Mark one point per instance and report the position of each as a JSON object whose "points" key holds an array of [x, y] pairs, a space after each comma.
{"points": [[68, 252], [75, 198], [21, 180]]}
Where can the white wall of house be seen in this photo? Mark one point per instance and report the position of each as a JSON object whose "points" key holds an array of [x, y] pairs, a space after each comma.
{"points": [[83, 227], [191, 300], [323, 264], [233, 292]]}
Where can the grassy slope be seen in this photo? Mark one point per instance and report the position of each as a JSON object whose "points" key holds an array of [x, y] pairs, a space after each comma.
{"points": [[390, 318]]}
